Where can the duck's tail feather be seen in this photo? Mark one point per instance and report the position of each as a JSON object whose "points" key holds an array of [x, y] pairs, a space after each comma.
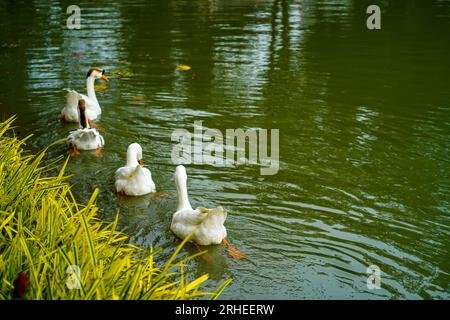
{"points": [[87, 134], [219, 214]]}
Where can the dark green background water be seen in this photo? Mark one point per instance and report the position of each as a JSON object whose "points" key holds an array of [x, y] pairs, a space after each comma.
{"points": [[364, 119]]}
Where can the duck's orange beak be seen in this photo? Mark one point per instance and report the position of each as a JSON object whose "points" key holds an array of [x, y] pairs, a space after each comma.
{"points": [[104, 78], [141, 162]]}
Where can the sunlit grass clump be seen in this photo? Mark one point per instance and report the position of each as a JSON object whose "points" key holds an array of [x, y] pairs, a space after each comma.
{"points": [[43, 231]]}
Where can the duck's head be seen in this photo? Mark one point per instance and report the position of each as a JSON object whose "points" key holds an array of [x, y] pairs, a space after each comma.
{"points": [[180, 173], [97, 73], [82, 110], [134, 154]]}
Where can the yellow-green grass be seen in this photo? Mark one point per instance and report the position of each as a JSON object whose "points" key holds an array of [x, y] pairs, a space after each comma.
{"points": [[43, 231]]}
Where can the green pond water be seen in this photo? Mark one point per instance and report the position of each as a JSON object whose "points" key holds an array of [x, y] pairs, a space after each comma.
{"points": [[364, 120]]}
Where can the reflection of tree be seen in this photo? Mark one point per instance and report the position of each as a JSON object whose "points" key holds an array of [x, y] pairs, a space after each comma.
{"points": [[286, 29], [148, 32], [15, 20], [161, 38], [279, 39]]}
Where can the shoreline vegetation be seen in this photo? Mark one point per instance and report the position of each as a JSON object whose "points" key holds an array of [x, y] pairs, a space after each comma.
{"points": [[51, 247]]}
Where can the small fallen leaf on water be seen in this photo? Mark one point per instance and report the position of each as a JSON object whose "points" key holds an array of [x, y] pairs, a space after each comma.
{"points": [[120, 73], [101, 87], [138, 98], [183, 67]]}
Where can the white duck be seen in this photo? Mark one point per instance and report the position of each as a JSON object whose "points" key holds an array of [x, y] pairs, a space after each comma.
{"points": [[207, 223], [84, 138], [134, 179], [70, 111]]}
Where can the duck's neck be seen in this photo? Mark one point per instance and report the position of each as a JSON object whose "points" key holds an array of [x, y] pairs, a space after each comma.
{"points": [[132, 158], [84, 123], [90, 89], [183, 200]]}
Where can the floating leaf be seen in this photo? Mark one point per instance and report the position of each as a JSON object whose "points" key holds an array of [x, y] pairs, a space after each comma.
{"points": [[183, 67], [120, 73], [138, 98], [101, 87]]}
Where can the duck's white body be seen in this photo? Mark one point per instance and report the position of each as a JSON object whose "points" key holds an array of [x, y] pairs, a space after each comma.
{"points": [[93, 110], [208, 223], [70, 112], [133, 179], [86, 139]]}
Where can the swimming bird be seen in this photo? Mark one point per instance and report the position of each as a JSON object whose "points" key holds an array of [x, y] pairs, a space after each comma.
{"points": [[84, 138], [93, 110], [134, 179], [207, 223]]}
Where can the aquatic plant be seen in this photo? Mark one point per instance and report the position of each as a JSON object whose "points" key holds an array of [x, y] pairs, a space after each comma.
{"points": [[51, 247]]}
